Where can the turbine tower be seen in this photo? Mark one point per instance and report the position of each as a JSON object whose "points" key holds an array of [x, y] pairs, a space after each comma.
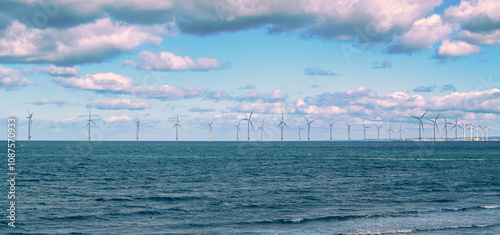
{"points": [[455, 125], [90, 121], [210, 130], [137, 129], [471, 126], [348, 131], [331, 124], [399, 131], [364, 130], [463, 128], [435, 125], [249, 120], [378, 131], [261, 128], [486, 132], [445, 128], [237, 130], [482, 132], [420, 126], [390, 130], [299, 131], [282, 125], [176, 126], [308, 128], [30, 123]]}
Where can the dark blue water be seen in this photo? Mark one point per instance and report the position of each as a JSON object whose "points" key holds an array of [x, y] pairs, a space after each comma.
{"points": [[270, 187]]}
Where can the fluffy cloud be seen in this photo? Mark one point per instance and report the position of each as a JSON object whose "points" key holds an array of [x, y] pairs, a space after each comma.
{"points": [[423, 34], [86, 43], [456, 49], [115, 83], [483, 38], [11, 79], [424, 89], [118, 119], [118, 104], [313, 71], [476, 15], [59, 102], [274, 96], [167, 61], [60, 71]]}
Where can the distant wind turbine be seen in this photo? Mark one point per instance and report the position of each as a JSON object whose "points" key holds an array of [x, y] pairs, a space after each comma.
{"points": [[298, 127], [331, 124], [463, 128], [308, 128], [445, 128], [261, 128], [137, 129], [399, 131], [237, 130], [176, 126], [486, 132], [390, 130], [435, 125], [482, 132], [364, 130], [378, 131], [210, 130], [471, 126], [420, 126], [348, 131], [30, 124], [282, 125], [249, 120], [456, 126], [90, 121]]}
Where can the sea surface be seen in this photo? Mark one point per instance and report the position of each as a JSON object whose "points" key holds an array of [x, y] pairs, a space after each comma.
{"points": [[255, 188]]}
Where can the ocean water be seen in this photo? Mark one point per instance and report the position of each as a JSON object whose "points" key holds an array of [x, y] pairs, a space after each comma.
{"points": [[256, 188]]}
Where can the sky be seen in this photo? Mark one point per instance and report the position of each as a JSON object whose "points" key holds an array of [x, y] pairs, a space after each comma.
{"points": [[372, 62]]}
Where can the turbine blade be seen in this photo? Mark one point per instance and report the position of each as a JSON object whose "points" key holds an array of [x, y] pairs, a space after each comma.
{"points": [[424, 113]]}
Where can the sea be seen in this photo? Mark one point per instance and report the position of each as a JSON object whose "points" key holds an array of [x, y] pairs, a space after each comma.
{"points": [[357, 187]]}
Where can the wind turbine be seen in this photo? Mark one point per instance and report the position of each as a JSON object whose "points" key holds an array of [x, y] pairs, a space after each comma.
{"points": [[348, 131], [463, 128], [486, 132], [176, 126], [420, 126], [299, 131], [331, 124], [455, 125], [400, 130], [249, 120], [90, 121], [390, 130], [435, 125], [477, 132], [482, 132], [137, 129], [445, 128], [30, 123], [210, 130], [364, 129], [471, 126], [308, 128], [378, 131], [282, 126], [261, 130], [237, 130]]}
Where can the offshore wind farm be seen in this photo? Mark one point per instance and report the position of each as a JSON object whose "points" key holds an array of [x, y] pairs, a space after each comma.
{"points": [[137, 117]]}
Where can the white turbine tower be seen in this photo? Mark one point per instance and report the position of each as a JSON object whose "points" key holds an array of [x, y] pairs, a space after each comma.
{"points": [[435, 125], [471, 126], [210, 130], [486, 132], [420, 126], [390, 130], [331, 124], [364, 130], [176, 126], [463, 128], [298, 127], [237, 131], [90, 121], [261, 128], [308, 128], [348, 132], [282, 125], [137, 129], [482, 132], [456, 126], [399, 131], [249, 120], [378, 131], [445, 128], [30, 124]]}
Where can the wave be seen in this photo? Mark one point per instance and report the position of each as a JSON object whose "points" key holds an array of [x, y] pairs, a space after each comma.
{"points": [[489, 207], [171, 198], [74, 217], [113, 199], [456, 227]]}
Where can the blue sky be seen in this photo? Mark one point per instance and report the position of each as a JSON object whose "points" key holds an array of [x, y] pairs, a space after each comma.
{"points": [[373, 61]]}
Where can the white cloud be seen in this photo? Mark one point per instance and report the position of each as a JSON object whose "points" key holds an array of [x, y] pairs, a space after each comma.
{"points": [[60, 71], [476, 15], [86, 43], [167, 61], [457, 48], [483, 38], [59, 102], [118, 104], [11, 79], [202, 109], [118, 119]]}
